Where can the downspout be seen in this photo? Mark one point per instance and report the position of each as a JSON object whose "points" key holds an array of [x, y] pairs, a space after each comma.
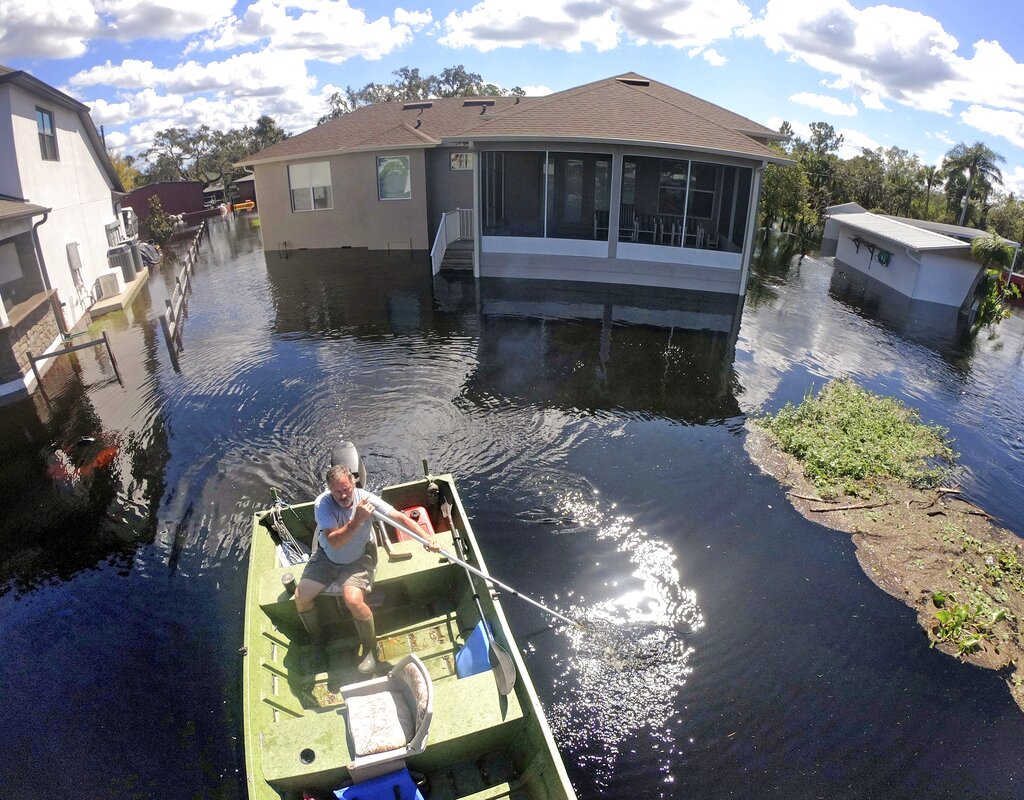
{"points": [[40, 261], [58, 312]]}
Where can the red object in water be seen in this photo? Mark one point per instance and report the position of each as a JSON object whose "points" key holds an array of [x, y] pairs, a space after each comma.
{"points": [[417, 514]]}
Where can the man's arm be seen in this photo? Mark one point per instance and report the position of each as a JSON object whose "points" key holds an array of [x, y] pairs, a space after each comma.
{"points": [[404, 519], [339, 536]]}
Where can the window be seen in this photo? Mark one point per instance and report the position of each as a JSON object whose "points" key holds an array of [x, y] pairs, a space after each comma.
{"points": [[311, 186], [393, 179], [47, 134], [460, 161]]}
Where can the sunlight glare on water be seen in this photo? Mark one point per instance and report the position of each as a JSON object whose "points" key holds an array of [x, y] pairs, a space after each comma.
{"points": [[629, 659]]}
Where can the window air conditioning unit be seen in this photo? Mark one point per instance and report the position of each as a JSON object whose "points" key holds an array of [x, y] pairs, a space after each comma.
{"points": [[109, 283]]}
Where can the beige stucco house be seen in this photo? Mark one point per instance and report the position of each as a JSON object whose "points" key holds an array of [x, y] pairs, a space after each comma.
{"points": [[58, 197], [624, 181]]}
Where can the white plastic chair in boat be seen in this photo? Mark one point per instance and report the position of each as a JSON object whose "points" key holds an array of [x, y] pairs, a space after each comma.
{"points": [[388, 718]]}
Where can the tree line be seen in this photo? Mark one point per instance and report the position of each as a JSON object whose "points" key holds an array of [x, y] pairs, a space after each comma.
{"points": [[207, 155], [965, 189], [201, 154]]}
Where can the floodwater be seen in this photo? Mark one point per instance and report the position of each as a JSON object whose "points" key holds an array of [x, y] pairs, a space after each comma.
{"points": [[598, 440]]}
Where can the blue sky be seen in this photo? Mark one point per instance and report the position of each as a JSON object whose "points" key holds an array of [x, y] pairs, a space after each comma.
{"points": [[919, 75]]}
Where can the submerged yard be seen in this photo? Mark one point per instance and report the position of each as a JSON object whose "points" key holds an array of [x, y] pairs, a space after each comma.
{"points": [[868, 465]]}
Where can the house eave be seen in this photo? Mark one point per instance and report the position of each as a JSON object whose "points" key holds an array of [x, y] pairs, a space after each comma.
{"points": [[336, 152], [762, 158]]}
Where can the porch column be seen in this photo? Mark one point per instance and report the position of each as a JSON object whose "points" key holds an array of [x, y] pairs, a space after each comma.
{"points": [[614, 203], [478, 225], [748, 238]]}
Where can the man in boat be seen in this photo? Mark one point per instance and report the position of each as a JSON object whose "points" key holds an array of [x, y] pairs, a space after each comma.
{"points": [[347, 553]]}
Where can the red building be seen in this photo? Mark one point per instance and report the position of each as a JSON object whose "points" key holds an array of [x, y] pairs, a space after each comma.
{"points": [[176, 197]]}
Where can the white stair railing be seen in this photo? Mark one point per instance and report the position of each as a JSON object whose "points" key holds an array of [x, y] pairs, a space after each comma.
{"points": [[455, 225]]}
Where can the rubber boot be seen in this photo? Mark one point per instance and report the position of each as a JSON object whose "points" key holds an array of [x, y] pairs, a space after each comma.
{"points": [[317, 656], [368, 638], [311, 622]]}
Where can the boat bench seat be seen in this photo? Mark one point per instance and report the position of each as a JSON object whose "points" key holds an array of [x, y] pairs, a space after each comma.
{"points": [[419, 576], [470, 718]]}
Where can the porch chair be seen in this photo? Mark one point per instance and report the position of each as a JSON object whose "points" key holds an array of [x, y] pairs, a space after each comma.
{"points": [[627, 223], [645, 225], [388, 718]]}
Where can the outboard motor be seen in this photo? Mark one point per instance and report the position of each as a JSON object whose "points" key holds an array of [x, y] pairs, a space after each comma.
{"points": [[345, 452]]}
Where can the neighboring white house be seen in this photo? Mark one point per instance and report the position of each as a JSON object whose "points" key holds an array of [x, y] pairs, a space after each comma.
{"points": [[909, 256], [58, 198]]}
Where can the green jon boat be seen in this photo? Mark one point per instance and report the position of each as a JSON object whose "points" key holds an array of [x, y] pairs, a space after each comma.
{"points": [[303, 704]]}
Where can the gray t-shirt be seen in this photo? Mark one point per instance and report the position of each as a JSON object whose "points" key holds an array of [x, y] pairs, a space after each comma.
{"points": [[330, 515]]}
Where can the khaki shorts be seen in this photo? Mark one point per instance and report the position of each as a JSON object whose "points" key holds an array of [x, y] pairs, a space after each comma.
{"points": [[360, 573]]}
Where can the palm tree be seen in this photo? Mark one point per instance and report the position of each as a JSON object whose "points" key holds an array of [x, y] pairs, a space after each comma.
{"points": [[978, 160], [930, 176]]}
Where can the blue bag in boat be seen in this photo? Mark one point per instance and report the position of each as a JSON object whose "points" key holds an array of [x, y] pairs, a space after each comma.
{"points": [[474, 657], [394, 786]]}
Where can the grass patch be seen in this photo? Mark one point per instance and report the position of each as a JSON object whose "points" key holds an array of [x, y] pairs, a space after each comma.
{"points": [[848, 438]]}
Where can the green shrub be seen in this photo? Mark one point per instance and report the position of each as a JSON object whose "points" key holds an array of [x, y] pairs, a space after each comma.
{"points": [[159, 224], [847, 437]]}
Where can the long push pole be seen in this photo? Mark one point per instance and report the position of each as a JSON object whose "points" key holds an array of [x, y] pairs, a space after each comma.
{"points": [[456, 560]]}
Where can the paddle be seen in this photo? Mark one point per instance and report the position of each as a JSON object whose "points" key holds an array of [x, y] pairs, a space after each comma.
{"points": [[455, 560], [501, 662]]}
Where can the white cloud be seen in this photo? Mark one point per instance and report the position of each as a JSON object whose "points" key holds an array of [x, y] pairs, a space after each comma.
{"points": [[45, 28], [414, 19], [314, 31], [601, 24], [160, 19], [115, 141], [714, 58], [830, 105], [854, 142], [537, 91], [1008, 124], [263, 73], [1014, 181], [886, 52]]}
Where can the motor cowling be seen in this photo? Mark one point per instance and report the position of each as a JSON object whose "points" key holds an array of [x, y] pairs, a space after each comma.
{"points": [[345, 452]]}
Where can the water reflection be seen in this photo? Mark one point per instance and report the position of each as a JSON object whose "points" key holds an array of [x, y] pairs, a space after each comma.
{"points": [[663, 353], [77, 490], [329, 293], [939, 327]]}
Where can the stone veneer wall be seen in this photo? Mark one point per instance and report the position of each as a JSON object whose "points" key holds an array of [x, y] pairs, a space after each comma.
{"points": [[34, 333]]}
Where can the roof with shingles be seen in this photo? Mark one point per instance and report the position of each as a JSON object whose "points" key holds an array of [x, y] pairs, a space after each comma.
{"points": [[623, 109], [18, 209]]}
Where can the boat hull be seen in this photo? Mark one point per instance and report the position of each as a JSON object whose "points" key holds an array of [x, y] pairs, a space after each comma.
{"points": [[480, 744]]}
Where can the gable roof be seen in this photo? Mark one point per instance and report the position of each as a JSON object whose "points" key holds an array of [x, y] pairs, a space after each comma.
{"points": [[35, 86], [625, 109]]}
